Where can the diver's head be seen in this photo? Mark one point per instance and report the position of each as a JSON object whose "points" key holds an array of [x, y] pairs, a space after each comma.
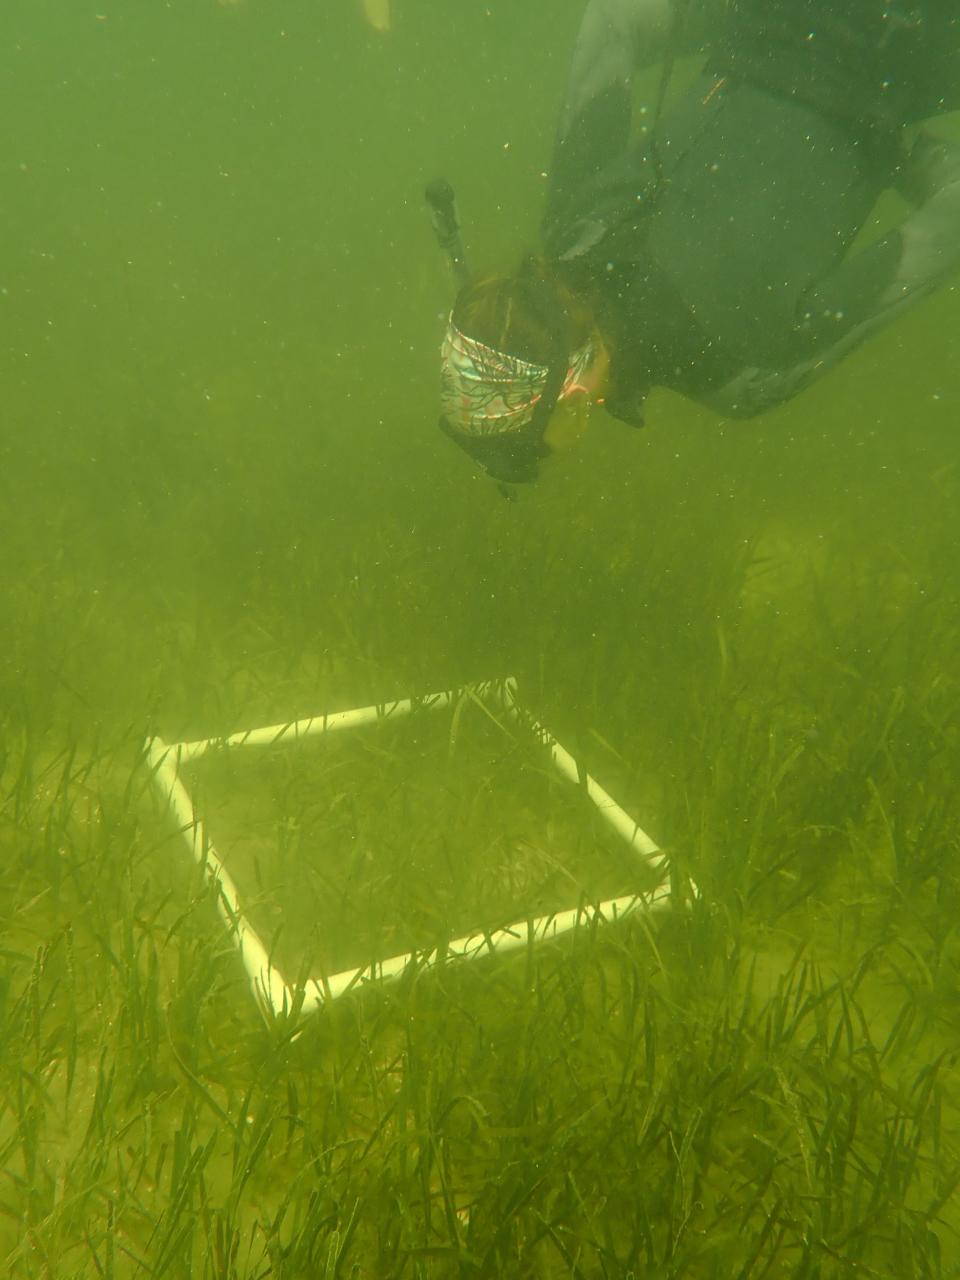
{"points": [[518, 350]]}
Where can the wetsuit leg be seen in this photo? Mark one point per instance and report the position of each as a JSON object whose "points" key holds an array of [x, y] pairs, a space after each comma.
{"points": [[868, 289]]}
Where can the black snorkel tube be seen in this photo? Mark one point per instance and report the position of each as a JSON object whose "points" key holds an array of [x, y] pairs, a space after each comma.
{"points": [[446, 226]]}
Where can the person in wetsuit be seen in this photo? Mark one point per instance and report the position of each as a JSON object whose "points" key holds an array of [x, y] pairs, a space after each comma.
{"points": [[712, 255]]}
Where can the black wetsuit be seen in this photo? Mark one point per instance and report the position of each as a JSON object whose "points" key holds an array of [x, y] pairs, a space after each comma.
{"points": [[715, 249]]}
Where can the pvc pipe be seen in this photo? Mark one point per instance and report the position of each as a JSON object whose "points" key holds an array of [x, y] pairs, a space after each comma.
{"points": [[269, 988], [475, 946], [625, 826], [296, 729]]}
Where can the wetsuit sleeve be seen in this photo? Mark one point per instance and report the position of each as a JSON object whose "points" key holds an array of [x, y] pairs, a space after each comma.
{"points": [[616, 39], [869, 288]]}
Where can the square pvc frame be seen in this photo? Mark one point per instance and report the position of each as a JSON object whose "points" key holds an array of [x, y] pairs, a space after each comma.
{"points": [[276, 997]]}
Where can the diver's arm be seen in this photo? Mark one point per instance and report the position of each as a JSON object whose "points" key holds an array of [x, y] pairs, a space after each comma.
{"points": [[616, 39]]}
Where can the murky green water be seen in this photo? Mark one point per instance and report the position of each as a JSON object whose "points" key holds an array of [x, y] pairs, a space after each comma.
{"points": [[223, 503]]}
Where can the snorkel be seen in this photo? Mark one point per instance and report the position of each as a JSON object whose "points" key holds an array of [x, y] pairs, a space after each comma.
{"points": [[446, 226], [496, 406]]}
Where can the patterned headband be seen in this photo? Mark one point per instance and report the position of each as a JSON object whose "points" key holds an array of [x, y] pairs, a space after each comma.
{"points": [[485, 392]]}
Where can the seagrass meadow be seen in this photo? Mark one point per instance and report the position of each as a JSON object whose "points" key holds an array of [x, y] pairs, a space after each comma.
{"points": [[224, 503]]}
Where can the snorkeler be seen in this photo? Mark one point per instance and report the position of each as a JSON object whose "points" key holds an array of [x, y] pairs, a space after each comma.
{"points": [[711, 254]]}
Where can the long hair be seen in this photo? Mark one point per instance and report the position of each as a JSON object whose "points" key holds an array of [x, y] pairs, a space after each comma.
{"points": [[530, 314]]}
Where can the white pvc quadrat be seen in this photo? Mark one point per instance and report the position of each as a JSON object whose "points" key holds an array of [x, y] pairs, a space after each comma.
{"points": [[167, 762]]}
